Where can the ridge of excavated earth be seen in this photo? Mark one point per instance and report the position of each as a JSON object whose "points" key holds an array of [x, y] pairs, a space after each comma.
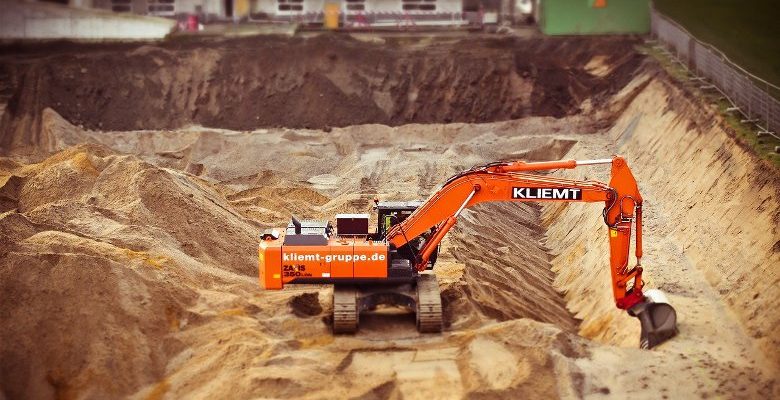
{"points": [[319, 82], [128, 259]]}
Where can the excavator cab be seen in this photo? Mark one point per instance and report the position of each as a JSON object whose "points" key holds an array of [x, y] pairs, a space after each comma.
{"points": [[391, 213]]}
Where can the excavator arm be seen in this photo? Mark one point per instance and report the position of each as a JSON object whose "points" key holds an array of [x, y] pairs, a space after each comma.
{"points": [[513, 182]]}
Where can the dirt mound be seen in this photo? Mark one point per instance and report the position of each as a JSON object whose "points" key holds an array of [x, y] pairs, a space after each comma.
{"points": [[70, 185], [317, 82], [504, 279], [76, 329], [101, 254], [306, 305]]}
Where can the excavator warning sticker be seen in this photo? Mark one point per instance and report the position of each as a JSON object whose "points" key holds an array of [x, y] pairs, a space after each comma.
{"points": [[547, 193], [295, 270]]}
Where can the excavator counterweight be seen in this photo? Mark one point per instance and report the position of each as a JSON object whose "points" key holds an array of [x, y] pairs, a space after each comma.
{"points": [[391, 264]]}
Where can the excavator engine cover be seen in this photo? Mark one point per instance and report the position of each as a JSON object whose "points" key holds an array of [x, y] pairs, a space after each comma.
{"points": [[657, 318]]}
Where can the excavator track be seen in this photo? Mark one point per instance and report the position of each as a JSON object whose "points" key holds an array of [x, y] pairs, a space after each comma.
{"points": [[345, 309], [429, 312]]}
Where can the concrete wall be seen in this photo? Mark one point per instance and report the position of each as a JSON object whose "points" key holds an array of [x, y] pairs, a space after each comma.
{"points": [[263, 6], [215, 7], [32, 20], [81, 3]]}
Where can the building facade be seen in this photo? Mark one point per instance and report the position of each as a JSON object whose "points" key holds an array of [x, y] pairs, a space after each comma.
{"points": [[352, 12]]}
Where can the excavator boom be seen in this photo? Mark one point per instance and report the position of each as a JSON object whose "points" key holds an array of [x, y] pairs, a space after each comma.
{"points": [[513, 182]]}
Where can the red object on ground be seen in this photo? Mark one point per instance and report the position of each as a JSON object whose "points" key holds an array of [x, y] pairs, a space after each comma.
{"points": [[192, 22]]}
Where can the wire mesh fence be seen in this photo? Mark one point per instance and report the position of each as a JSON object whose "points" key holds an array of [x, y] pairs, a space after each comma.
{"points": [[747, 93]]}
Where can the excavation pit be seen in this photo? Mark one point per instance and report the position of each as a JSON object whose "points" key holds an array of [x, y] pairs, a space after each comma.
{"points": [[134, 187]]}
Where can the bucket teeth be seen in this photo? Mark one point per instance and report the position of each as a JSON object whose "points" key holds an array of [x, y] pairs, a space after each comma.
{"points": [[658, 320]]}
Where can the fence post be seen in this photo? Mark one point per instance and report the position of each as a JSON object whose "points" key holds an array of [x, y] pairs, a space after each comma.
{"points": [[691, 53], [766, 106]]}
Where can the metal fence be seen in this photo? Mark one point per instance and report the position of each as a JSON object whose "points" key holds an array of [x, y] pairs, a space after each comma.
{"points": [[747, 93]]}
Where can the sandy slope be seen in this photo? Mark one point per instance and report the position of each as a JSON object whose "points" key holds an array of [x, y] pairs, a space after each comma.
{"points": [[720, 351]]}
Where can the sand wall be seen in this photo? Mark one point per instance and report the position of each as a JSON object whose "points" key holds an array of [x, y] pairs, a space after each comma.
{"points": [[318, 83], [711, 210]]}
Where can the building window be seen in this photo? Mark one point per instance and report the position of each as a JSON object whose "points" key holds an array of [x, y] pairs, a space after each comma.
{"points": [[290, 5], [356, 5], [121, 6], [421, 5], [160, 7]]}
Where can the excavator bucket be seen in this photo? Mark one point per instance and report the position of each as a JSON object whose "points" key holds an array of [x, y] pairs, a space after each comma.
{"points": [[657, 317]]}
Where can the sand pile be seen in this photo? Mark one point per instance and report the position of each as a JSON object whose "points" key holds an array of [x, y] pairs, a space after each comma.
{"points": [[492, 281], [101, 256]]}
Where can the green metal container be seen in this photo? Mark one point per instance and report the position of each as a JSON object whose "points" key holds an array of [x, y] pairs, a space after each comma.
{"points": [[592, 17]]}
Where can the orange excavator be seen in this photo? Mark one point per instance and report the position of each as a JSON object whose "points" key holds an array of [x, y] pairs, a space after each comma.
{"points": [[388, 266]]}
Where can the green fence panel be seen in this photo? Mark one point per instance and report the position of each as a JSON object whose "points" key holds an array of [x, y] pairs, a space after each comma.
{"points": [[590, 17]]}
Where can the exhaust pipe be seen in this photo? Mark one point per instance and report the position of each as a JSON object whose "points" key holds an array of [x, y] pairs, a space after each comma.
{"points": [[296, 224], [657, 317]]}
